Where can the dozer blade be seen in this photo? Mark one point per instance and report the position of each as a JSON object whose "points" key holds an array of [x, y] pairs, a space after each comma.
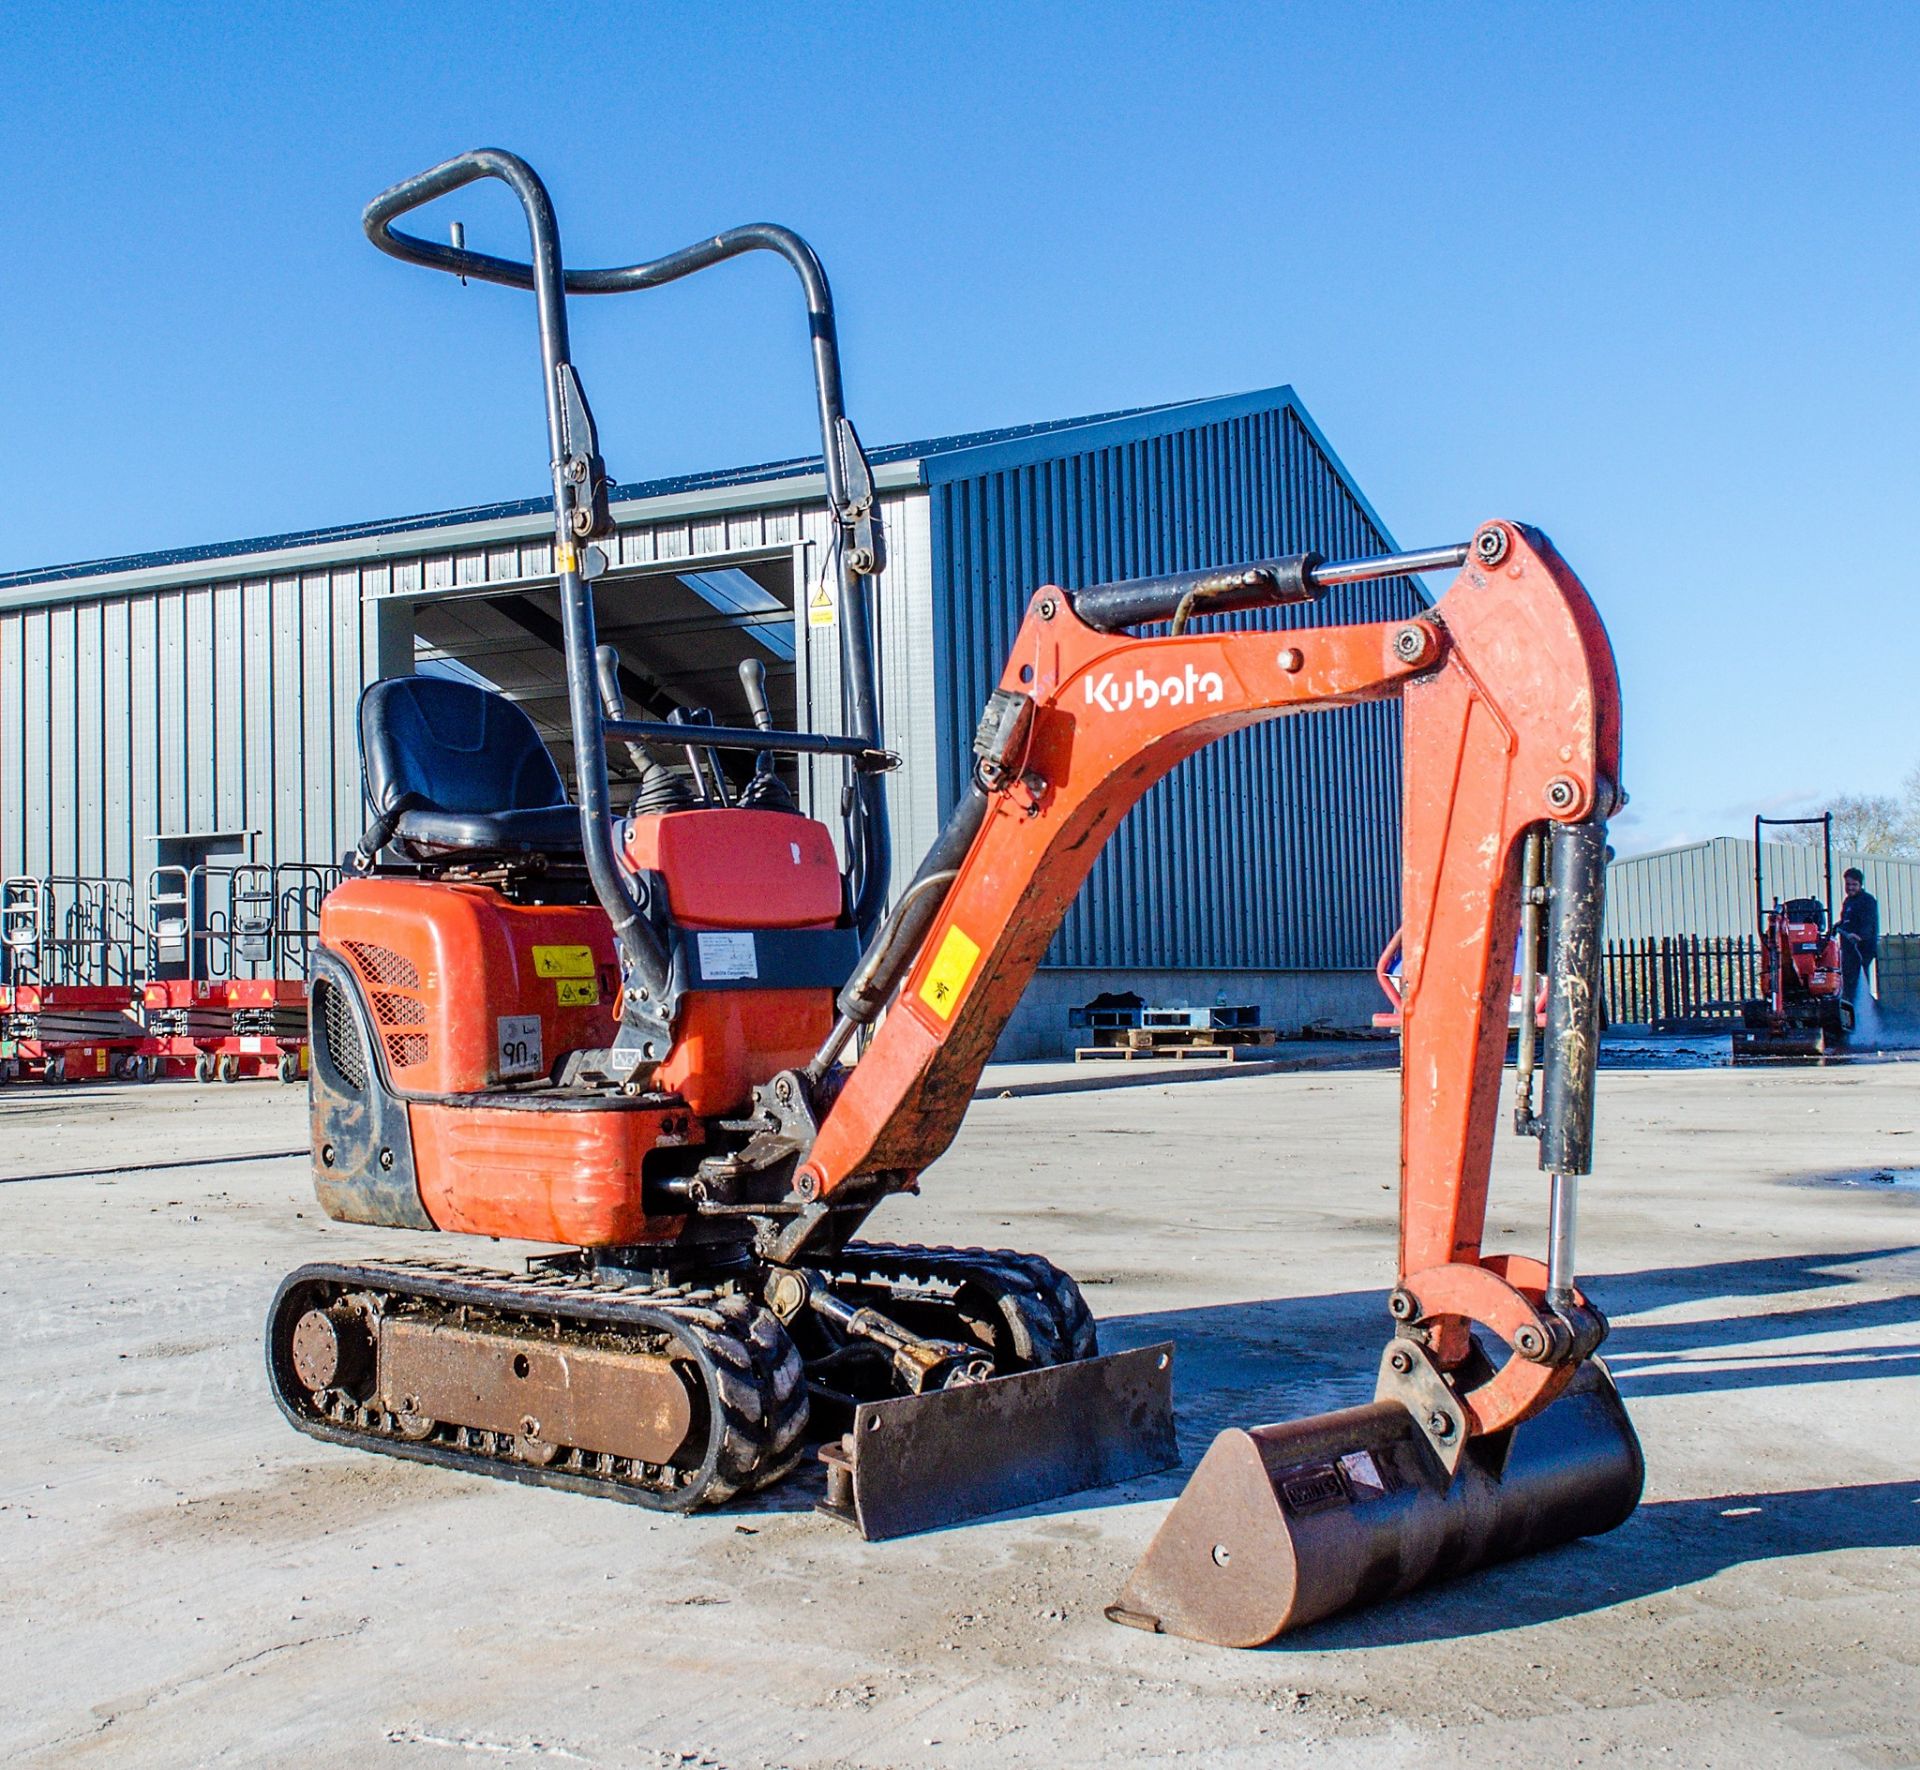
{"points": [[1760, 1047], [925, 1461], [1284, 1525]]}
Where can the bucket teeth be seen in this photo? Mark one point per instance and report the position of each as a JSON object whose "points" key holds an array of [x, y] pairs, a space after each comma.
{"points": [[1284, 1525]]}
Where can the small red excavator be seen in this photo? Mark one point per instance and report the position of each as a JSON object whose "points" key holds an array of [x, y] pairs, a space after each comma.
{"points": [[1803, 1013], [633, 1038]]}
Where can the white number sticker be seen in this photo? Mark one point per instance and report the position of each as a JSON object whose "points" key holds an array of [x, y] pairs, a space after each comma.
{"points": [[520, 1053]]}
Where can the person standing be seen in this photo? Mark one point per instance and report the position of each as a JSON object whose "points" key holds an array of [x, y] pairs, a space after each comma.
{"points": [[1859, 931]]}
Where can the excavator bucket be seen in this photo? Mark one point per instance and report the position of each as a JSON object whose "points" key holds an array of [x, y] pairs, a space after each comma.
{"points": [[1284, 1525], [922, 1462]]}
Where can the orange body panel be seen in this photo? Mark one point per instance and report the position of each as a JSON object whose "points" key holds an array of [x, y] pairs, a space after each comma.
{"points": [[727, 1042], [568, 1176], [470, 991], [739, 869], [458, 979], [1799, 952]]}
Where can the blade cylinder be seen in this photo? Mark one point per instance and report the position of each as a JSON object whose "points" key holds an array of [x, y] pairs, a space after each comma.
{"points": [[1284, 1525]]}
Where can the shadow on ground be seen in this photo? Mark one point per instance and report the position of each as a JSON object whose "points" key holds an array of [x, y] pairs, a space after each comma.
{"points": [[1665, 1545], [1247, 1364]]}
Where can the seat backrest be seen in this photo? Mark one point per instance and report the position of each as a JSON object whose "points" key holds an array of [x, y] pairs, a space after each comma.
{"points": [[454, 746], [1807, 909]]}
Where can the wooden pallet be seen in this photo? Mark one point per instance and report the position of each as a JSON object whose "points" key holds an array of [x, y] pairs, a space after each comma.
{"points": [[1161, 1053]]}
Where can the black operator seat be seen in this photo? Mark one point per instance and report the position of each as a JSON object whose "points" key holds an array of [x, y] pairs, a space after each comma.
{"points": [[456, 771], [1807, 909]]}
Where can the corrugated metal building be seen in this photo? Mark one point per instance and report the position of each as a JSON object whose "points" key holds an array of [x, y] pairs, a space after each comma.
{"points": [[1706, 888], [200, 703]]}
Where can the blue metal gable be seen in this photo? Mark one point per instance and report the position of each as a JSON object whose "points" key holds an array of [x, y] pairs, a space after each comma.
{"points": [[1277, 848]]}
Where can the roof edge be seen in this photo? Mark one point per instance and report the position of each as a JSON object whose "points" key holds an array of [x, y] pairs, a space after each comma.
{"points": [[799, 481], [527, 519], [1096, 433], [1839, 852]]}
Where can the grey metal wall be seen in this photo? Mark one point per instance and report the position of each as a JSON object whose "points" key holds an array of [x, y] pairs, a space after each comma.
{"points": [[228, 705], [903, 646], [209, 707], [221, 698], [1706, 888], [1277, 848]]}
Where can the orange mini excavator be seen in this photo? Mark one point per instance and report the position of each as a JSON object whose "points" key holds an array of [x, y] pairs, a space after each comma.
{"points": [[633, 1038], [1803, 1013]]}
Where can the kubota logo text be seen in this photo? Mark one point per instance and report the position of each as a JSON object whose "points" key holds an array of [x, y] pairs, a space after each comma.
{"points": [[1112, 694]]}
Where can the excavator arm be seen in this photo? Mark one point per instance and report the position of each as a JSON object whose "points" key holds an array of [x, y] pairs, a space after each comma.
{"points": [[1512, 723], [1512, 737]]}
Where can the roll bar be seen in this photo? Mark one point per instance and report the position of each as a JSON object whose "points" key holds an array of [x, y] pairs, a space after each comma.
{"points": [[581, 514], [1825, 823]]}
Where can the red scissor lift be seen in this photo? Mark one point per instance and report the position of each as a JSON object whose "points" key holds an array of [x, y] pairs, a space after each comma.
{"points": [[226, 990], [69, 1001]]}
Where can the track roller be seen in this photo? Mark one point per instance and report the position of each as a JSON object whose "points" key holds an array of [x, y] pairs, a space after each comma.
{"points": [[670, 1400]]}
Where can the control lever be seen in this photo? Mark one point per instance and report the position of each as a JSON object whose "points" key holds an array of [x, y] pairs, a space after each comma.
{"points": [[613, 704], [712, 790], [660, 788], [766, 791], [753, 683]]}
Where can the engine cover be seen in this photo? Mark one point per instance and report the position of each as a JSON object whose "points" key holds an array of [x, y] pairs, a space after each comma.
{"points": [[468, 990], [467, 1003]]}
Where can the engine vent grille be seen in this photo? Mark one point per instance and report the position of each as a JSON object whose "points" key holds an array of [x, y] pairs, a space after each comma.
{"points": [[398, 1010], [341, 1036], [381, 964], [404, 1050]]}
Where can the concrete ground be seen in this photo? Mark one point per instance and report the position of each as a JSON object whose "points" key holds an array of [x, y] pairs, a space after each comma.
{"points": [[184, 1580]]}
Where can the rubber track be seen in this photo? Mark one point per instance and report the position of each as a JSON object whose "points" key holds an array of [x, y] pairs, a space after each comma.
{"points": [[749, 1370]]}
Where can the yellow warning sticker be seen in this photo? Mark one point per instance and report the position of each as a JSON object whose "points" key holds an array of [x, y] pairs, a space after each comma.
{"points": [[952, 965], [820, 610], [563, 961], [576, 992]]}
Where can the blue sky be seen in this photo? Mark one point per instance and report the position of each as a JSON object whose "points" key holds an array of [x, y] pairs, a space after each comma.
{"points": [[1649, 277]]}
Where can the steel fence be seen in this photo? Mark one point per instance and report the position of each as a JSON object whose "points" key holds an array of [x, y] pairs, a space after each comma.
{"points": [[1680, 982]]}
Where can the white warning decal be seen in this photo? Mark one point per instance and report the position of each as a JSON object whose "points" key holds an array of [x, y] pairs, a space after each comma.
{"points": [[726, 958]]}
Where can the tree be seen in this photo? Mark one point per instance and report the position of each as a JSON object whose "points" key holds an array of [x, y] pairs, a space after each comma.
{"points": [[1870, 823]]}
